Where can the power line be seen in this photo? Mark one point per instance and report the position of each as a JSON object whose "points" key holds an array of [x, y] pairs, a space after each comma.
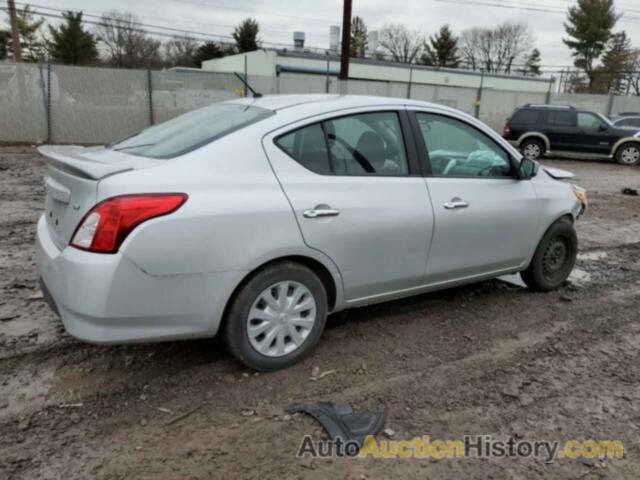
{"points": [[179, 33], [258, 12], [94, 14], [531, 7]]}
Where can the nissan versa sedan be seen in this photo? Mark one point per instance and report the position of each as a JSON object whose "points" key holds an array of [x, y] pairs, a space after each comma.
{"points": [[255, 218]]}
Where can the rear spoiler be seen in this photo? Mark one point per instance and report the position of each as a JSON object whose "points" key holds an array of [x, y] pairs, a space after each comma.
{"points": [[78, 161]]}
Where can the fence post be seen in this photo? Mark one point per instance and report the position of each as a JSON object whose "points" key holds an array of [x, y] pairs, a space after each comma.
{"points": [[49, 125], [150, 96], [479, 96], [410, 80], [612, 97], [327, 81], [246, 78]]}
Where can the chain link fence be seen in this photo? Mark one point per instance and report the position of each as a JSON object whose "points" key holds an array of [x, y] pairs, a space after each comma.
{"points": [[92, 105]]}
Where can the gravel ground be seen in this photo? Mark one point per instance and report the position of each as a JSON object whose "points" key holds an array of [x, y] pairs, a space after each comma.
{"points": [[490, 358]]}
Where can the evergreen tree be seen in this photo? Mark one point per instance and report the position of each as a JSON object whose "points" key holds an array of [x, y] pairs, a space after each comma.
{"points": [[532, 64], [211, 50], [4, 43], [31, 40], [589, 25], [359, 40], [442, 49], [70, 43], [246, 35]]}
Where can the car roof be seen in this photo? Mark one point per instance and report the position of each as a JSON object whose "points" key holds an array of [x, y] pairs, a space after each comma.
{"points": [[330, 102]]}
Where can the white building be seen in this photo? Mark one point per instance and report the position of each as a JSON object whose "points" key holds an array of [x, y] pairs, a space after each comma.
{"points": [[270, 63]]}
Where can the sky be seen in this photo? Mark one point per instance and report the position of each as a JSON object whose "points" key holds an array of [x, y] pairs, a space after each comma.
{"points": [[278, 19]]}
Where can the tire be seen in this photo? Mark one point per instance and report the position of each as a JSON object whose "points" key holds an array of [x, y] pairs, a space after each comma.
{"points": [[553, 259], [628, 154], [532, 148], [283, 333]]}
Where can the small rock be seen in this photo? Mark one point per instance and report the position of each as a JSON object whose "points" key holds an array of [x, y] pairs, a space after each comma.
{"points": [[143, 422], [511, 392], [248, 412], [566, 298], [389, 432], [24, 424], [245, 375], [75, 417], [286, 418]]}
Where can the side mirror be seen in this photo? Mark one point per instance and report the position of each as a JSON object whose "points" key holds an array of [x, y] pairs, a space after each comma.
{"points": [[603, 128], [527, 169]]}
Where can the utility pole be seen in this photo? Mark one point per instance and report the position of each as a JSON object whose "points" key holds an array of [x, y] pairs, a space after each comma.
{"points": [[346, 40], [15, 36]]}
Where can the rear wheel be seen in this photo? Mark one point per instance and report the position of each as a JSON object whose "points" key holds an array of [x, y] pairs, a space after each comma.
{"points": [[628, 154], [554, 258], [532, 149], [277, 317]]}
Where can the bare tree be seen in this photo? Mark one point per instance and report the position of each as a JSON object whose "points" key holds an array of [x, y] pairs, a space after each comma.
{"points": [[496, 50], [180, 52], [400, 44], [128, 44], [633, 77]]}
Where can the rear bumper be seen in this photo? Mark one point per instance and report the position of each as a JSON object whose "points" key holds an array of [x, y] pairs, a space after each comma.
{"points": [[109, 299]]}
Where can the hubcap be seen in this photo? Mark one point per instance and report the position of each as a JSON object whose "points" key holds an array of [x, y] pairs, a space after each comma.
{"points": [[555, 258], [281, 318], [532, 151], [630, 155]]}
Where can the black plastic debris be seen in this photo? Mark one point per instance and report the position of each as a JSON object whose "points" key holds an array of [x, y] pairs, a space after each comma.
{"points": [[630, 191], [342, 423]]}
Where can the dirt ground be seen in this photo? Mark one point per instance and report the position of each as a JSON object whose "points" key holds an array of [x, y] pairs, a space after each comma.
{"points": [[490, 358]]}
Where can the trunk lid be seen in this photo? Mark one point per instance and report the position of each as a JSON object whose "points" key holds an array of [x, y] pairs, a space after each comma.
{"points": [[71, 183]]}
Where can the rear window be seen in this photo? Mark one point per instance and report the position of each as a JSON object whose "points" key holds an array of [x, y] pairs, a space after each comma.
{"points": [[525, 117], [192, 130]]}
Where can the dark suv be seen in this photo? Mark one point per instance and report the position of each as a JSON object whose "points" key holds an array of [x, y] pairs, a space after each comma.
{"points": [[547, 129]]}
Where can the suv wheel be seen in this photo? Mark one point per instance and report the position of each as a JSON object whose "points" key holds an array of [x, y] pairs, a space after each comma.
{"points": [[628, 154], [532, 149], [277, 317], [554, 258]]}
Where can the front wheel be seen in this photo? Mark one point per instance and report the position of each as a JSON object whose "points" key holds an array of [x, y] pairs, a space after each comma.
{"points": [[554, 258], [277, 317], [628, 154]]}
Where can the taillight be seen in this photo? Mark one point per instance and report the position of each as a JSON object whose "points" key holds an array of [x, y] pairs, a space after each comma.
{"points": [[105, 226], [507, 130]]}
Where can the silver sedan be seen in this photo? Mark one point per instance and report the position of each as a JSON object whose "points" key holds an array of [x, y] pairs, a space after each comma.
{"points": [[256, 218]]}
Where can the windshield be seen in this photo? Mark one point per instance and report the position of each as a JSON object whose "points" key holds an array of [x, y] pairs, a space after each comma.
{"points": [[191, 130]]}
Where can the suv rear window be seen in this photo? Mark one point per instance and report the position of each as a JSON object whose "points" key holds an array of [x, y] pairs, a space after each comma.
{"points": [[525, 117], [192, 130]]}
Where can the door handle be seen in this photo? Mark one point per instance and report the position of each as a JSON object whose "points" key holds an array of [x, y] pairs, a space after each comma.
{"points": [[321, 212], [456, 203]]}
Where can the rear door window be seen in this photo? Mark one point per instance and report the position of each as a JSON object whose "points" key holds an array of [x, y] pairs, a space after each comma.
{"points": [[367, 144], [561, 119], [361, 144]]}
